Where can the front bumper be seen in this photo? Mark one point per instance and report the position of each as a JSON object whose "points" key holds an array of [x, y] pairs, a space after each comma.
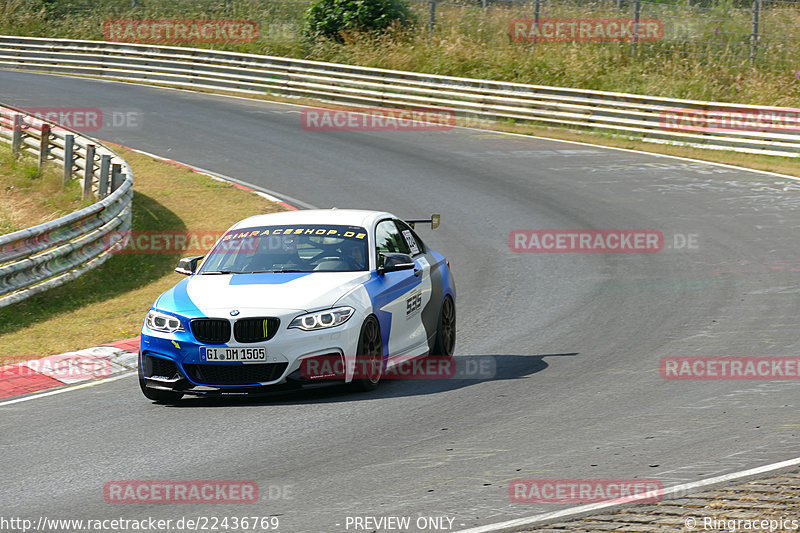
{"points": [[171, 361]]}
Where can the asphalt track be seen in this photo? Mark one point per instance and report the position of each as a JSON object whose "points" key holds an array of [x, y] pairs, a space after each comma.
{"points": [[577, 338]]}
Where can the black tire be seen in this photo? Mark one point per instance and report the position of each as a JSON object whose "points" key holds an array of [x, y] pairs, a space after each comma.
{"points": [[445, 342], [369, 356], [158, 396]]}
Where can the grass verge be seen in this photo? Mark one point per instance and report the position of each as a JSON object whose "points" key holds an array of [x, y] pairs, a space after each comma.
{"points": [[109, 303], [29, 196]]}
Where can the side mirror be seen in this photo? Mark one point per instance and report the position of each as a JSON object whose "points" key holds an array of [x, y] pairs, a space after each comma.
{"points": [[392, 262], [188, 265]]}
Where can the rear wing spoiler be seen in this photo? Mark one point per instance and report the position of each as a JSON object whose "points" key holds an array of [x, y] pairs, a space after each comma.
{"points": [[433, 221]]}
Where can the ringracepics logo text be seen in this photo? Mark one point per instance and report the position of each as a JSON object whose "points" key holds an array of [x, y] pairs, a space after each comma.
{"points": [[586, 241], [585, 29], [180, 31], [377, 119]]}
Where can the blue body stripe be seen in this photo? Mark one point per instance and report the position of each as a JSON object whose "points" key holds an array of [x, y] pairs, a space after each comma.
{"points": [[266, 278], [176, 300], [384, 289]]}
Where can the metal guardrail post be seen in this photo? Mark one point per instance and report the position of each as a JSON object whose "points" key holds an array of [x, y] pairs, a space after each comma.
{"points": [[105, 167], [44, 145], [117, 177], [16, 135], [754, 36], [637, 12], [69, 159], [47, 255], [88, 173]]}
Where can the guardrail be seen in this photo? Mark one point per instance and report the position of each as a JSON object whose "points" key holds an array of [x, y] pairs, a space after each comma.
{"points": [[764, 130], [45, 256]]}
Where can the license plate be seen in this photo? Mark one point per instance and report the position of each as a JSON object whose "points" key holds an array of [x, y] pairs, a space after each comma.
{"points": [[207, 353]]}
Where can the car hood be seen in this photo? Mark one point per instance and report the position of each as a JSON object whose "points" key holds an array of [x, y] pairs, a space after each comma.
{"points": [[218, 294]]}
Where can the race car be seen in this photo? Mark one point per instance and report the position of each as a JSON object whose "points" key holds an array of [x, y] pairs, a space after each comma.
{"points": [[281, 296]]}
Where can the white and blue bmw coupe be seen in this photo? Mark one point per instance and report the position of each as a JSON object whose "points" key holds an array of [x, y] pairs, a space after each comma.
{"points": [[279, 290]]}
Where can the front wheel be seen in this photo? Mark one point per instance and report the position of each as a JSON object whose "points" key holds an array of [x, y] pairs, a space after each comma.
{"points": [[369, 356], [158, 396], [445, 343]]}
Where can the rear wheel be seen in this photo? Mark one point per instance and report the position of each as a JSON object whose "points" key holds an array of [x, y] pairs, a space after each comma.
{"points": [[369, 356], [445, 343]]}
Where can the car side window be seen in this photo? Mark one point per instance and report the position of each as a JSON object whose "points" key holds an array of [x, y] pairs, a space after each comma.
{"points": [[389, 239], [414, 242]]}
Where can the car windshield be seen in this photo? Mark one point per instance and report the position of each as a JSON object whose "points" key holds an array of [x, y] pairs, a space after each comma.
{"points": [[294, 248]]}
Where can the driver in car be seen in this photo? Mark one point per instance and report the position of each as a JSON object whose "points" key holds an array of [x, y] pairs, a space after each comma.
{"points": [[275, 253], [353, 253]]}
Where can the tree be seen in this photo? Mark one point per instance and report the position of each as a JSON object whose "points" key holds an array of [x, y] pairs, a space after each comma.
{"points": [[328, 18]]}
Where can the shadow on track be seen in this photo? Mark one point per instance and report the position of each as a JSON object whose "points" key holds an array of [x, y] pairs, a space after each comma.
{"points": [[504, 367]]}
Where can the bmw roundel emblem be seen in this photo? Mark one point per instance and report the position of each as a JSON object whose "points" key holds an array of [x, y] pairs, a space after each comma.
{"points": [[234, 312]]}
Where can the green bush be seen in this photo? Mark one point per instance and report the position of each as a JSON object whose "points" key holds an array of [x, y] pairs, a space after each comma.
{"points": [[329, 18]]}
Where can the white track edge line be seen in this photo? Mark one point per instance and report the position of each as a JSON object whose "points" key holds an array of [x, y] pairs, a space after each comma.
{"points": [[67, 389], [529, 520], [262, 191]]}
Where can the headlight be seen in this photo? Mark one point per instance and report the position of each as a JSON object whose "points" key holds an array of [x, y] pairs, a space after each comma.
{"points": [[162, 322], [322, 319]]}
